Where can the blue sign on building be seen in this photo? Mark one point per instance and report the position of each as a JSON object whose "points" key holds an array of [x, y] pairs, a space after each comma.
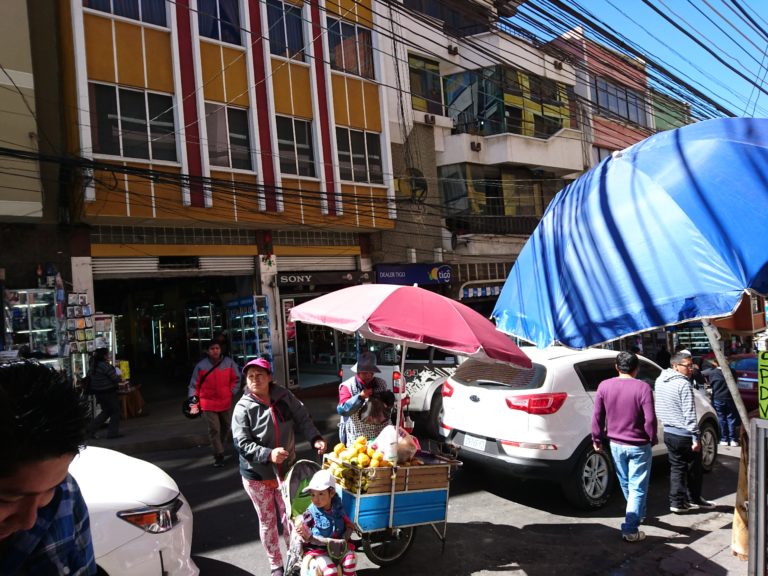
{"points": [[407, 274]]}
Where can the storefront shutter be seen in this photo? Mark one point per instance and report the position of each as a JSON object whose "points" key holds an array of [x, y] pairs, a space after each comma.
{"points": [[150, 267], [316, 263]]}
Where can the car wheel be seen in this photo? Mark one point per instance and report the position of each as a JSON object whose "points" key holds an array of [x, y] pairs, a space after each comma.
{"points": [[591, 483], [708, 441], [435, 414]]}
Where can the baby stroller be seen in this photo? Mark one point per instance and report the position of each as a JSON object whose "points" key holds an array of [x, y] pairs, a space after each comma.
{"points": [[291, 491]]}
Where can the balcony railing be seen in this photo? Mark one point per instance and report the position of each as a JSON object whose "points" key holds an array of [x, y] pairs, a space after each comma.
{"points": [[502, 225]]}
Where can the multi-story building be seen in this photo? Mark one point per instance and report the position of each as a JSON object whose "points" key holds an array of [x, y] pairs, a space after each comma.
{"points": [[485, 130], [231, 148]]}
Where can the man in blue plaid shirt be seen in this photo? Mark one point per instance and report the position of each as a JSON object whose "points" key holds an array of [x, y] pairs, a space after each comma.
{"points": [[44, 526]]}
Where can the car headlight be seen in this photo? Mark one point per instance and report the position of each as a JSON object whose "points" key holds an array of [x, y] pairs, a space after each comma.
{"points": [[153, 519]]}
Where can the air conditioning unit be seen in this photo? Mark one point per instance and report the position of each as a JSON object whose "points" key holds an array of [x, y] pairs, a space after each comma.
{"points": [[429, 119], [475, 146], [453, 50], [557, 64]]}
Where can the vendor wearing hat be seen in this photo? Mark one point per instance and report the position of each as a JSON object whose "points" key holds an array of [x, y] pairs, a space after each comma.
{"points": [[264, 426], [352, 395]]}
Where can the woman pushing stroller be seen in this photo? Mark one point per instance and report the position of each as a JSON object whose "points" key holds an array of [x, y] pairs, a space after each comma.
{"points": [[264, 423], [326, 529]]}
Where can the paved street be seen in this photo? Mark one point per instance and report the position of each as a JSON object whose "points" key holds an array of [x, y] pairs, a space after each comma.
{"points": [[496, 525]]}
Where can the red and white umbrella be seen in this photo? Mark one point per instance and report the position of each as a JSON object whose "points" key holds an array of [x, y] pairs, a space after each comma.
{"points": [[411, 316]]}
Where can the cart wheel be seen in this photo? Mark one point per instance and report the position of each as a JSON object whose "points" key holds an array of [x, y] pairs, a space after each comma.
{"points": [[386, 547]]}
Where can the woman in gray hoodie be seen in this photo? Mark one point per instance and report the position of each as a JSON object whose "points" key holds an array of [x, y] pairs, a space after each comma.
{"points": [[264, 425]]}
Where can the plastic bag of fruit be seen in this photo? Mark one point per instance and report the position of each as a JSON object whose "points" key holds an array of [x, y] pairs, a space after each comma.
{"points": [[396, 444]]}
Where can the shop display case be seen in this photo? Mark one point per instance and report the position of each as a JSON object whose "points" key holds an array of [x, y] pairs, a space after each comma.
{"points": [[104, 331], [249, 329], [79, 338], [202, 321], [693, 338], [34, 324]]}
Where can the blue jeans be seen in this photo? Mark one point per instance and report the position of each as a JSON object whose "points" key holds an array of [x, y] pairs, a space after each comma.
{"points": [[729, 419], [633, 468]]}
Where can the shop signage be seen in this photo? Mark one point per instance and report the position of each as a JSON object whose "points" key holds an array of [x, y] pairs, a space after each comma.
{"points": [[762, 383], [420, 274], [480, 291], [322, 278]]}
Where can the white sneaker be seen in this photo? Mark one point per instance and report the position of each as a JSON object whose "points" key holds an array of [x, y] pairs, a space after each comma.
{"points": [[723, 442], [636, 537], [735, 444], [703, 504]]}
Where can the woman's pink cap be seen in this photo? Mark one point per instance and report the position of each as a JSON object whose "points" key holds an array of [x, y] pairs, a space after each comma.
{"points": [[261, 363]]}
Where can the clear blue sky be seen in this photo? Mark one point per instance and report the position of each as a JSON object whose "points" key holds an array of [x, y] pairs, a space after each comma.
{"points": [[737, 43]]}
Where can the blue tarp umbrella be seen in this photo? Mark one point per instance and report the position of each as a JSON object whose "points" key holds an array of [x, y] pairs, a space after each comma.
{"points": [[672, 229]]}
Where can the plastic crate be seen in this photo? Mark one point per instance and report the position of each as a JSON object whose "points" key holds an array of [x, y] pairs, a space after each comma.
{"points": [[371, 511]]}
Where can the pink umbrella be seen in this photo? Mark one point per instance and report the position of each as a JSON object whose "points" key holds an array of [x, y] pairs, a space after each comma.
{"points": [[411, 316]]}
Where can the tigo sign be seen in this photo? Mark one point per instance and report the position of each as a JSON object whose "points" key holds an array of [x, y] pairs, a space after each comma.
{"points": [[420, 274]]}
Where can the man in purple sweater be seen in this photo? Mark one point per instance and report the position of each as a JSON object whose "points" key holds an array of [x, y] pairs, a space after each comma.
{"points": [[625, 416]]}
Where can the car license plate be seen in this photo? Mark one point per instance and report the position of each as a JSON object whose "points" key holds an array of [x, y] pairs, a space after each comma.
{"points": [[744, 384], [473, 442]]}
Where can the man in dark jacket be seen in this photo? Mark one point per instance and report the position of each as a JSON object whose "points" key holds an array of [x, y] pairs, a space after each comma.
{"points": [[104, 381], [724, 404]]}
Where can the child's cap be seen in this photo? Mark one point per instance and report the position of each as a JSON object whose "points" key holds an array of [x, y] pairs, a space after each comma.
{"points": [[322, 480]]}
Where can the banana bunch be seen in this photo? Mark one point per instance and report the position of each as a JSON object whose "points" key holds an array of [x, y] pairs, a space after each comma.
{"points": [[351, 466]]}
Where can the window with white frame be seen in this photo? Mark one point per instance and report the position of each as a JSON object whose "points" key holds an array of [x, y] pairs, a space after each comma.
{"points": [[149, 11], [621, 101], [294, 143], [220, 20], [599, 154], [286, 34], [228, 140], [350, 47], [132, 123], [359, 155]]}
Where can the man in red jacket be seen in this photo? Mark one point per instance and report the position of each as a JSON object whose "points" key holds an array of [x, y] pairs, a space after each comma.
{"points": [[215, 380]]}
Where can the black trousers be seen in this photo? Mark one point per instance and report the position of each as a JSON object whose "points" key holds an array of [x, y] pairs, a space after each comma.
{"points": [[110, 408], [685, 470]]}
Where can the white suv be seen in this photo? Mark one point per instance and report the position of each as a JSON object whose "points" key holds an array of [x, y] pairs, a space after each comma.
{"points": [[537, 423]]}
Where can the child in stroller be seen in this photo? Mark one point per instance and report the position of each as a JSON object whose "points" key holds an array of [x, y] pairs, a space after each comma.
{"points": [[320, 542]]}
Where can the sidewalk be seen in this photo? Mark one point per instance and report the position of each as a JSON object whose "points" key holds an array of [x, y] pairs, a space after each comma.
{"points": [[164, 427]]}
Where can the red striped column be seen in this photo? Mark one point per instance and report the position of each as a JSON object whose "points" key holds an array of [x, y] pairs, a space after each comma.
{"points": [[189, 103], [324, 121], [262, 106]]}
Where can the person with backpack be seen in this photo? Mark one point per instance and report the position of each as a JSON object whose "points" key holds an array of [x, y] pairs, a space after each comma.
{"points": [[215, 382]]}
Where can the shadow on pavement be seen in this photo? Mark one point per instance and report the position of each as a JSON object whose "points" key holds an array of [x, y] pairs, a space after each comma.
{"points": [[545, 549], [211, 567]]}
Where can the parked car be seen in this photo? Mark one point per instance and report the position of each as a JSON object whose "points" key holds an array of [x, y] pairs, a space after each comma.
{"points": [[537, 422], [425, 371], [140, 522], [744, 368]]}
